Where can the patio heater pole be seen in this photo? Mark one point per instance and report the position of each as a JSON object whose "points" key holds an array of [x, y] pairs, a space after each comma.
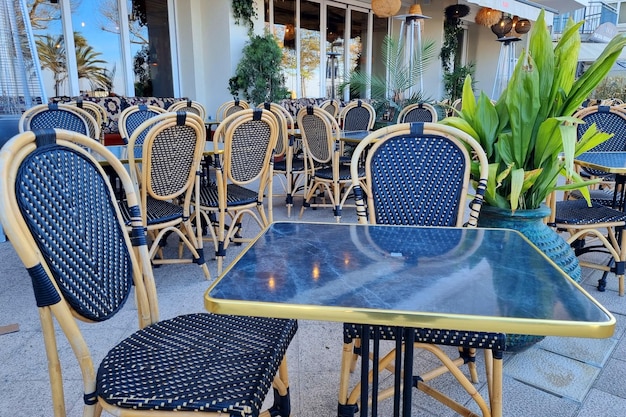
{"points": [[411, 42], [506, 65]]}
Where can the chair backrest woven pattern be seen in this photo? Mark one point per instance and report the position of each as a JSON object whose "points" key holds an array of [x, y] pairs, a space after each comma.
{"points": [[357, 118], [249, 148], [607, 122], [315, 132], [417, 114], [67, 207], [58, 118], [136, 118], [426, 195], [172, 159]]}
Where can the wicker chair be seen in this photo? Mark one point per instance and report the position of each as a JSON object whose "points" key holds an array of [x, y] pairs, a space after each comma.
{"points": [[332, 106], [357, 115], [190, 106], [419, 174], [60, 116], [418, 112], [132, 117], [169, 170], [249, 138], [329, 177], [230, 107], [95, 110], [287, 163], [610, 119], [85, 265]]}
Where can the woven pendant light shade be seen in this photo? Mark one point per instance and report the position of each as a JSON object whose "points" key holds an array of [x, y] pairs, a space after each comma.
{"points": [[502, 27], [522, 26], [386, 8], [488, 17], [415, 9]]}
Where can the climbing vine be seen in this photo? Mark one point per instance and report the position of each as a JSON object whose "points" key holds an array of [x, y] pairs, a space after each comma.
{"points": [[243, 12]]}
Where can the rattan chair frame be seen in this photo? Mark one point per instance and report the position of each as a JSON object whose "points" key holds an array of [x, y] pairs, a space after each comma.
{"points": [[351, 116], [229, 107], [132, 117], [604, 224], [114, 266], [609, 119], [466, 151], [418, 112], [79, 120], [322, 146], [95, 110], [189, 105], [248, 138], [290, 169], [167, 174], [332, 106]]}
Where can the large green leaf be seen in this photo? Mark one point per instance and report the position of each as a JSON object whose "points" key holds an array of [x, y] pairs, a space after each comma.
{"points": [[523, 102]]}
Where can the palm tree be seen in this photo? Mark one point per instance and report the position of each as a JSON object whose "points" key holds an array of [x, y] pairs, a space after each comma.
{"points": [[392, 91], [52, 56], [51, 51]]}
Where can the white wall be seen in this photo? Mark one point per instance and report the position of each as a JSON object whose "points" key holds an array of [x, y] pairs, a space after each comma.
{"points": [[209, 48]]}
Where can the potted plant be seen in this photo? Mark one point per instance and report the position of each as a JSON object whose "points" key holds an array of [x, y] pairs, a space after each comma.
{"points": [[259, 74], [530, 137]]}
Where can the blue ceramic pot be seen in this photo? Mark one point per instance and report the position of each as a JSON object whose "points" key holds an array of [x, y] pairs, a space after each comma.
{"points": [[530, 224]]}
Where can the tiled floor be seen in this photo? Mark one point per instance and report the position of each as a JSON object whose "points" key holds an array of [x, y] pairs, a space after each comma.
{"points": [[559, 377]]}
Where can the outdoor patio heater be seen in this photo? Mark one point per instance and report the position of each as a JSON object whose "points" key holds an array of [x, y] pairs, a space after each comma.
{"points": [[411, 42], [20, 77], [508, 55]]}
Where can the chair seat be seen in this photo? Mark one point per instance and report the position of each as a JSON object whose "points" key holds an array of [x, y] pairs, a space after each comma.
{"points": [[576, 212], [602, 197], [344, 173], [157, 211], [297, 164], [207, 362], [236, 196], [469, 339]]}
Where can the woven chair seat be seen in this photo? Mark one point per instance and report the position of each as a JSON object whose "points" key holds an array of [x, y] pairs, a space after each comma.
{"points": [[468, 339], [575, 212], [157, 211], [344, 173], [206, 362], [297, 164], [602, 197], [235, 196]]}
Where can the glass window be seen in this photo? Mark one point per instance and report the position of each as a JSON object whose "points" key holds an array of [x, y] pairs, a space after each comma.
{"points": [[150, 48], [45, 19], [335, 56], [285, 32], [358, 45], [621, 18], [310, 44], [97, 42]]}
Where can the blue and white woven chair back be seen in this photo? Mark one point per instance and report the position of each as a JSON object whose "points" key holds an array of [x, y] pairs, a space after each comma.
{"points": [[133, 117], [249, 144], [48, 116], [68, 207], [419, 112], [357, 117], [317, 133], [419, 174], [607, 119], [418, 180]]}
